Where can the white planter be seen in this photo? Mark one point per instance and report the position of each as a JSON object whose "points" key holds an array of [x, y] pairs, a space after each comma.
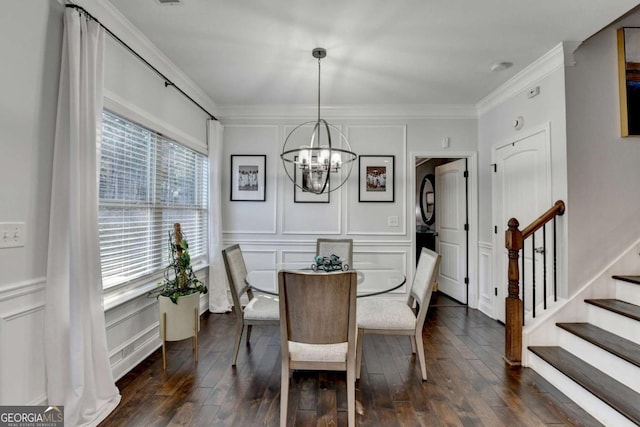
{"points": [[182, 317], [181, 320]]}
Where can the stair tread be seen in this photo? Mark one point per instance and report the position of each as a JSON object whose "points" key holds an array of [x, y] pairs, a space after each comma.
{"points": [[617, 306], [614, 344], [620, 397], [627, 278]]}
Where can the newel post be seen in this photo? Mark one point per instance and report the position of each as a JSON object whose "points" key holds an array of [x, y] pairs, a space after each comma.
{"points": [[513, 303]]}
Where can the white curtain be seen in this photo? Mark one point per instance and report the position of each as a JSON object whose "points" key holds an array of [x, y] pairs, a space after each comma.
{"points": [[77, 363], [218, 300]]}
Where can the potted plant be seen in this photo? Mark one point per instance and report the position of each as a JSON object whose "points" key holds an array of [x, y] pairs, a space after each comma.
{"points": [[179, 296]]}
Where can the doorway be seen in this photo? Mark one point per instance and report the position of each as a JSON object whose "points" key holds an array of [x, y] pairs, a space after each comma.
{"points": [[521, 188], [446, 220]]}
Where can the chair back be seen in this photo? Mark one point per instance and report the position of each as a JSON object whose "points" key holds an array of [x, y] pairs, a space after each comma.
{"points": [[340, 247], [423, 281], [236, 273], [317, 308]]}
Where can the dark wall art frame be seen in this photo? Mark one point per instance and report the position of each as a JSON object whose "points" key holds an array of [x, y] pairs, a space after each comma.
{"points": [[248, 178], [629, 80], [376, 178], [302, 196]]}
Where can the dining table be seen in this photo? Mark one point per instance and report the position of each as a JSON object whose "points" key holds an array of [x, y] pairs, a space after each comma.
{"points": [[372, 279]]}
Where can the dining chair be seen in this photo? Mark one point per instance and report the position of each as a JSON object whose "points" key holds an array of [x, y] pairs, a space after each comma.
{"points": [[389, 317], [343, 248], [318, 328], [260, 309]]}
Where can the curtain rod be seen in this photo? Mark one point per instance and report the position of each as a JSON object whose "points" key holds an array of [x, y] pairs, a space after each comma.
{"points": [[167, 82]]}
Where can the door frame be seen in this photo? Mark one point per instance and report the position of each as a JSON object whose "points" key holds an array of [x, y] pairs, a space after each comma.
{"points": [[472, 206]]}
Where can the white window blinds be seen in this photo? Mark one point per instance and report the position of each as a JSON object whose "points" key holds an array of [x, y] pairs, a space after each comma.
{"points": [[147, 183]]}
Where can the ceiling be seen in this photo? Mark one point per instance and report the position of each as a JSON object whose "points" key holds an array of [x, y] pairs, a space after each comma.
{"points": [[379, 52]]}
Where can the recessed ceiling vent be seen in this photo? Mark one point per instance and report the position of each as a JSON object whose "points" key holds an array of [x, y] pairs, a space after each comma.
{"points": [[169, 2]]}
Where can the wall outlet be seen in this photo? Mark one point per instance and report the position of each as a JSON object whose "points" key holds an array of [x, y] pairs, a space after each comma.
{"points": [[534, 91], [12, 234], [392, 221]]}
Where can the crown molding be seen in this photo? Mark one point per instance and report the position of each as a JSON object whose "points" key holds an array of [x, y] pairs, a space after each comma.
{"points": [[560, 56], [119, 25], [347, 111]]}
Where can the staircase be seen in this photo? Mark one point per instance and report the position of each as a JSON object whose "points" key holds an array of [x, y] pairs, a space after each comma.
{"points": [[597, 364]]}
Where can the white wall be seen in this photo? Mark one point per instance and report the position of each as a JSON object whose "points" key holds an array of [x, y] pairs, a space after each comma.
{"points": [[279, 230], [495, 127], [603, 170], [30, 46]]}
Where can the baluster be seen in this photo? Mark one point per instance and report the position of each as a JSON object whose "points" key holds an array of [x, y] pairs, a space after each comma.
{"points": [[524, 287], [533, 273], [555, 263], [544, 265]]}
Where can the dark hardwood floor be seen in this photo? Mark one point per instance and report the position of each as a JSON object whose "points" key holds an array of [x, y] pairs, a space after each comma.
{"points": [[468, 383]]}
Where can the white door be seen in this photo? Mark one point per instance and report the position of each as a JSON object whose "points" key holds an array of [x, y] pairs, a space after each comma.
{"points": [[451, 217], [521, 189]]}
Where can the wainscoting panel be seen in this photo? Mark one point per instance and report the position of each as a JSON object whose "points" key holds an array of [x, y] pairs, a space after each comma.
{"points": [[22, 369], [255, 217], [486, 293]]}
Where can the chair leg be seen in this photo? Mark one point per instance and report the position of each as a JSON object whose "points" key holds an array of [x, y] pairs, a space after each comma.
{"points": [[351, 394], [413, 345], [236, 346], [284, 393], [248, 333], [359, 352], [423, 365]]}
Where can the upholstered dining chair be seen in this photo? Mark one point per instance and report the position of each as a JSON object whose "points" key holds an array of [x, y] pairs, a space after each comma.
{"points": [[343, 248], [318, 328], [381, 316], [260, 309]]}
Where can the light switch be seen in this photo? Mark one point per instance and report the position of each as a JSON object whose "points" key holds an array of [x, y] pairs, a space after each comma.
{"points": [[392, 221], [11, 234]]}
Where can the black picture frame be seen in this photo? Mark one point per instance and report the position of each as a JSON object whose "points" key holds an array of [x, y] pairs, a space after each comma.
{"points": [[248, 178], [376, 178], [302, 196]]}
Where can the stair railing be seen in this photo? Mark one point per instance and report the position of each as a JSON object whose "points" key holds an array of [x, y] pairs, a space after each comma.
{"points": [[514, 306]]}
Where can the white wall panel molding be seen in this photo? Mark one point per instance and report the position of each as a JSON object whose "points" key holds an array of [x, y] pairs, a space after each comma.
{"points": [[22, 337], [312, 241], [486, 296], [371, 218], [334, 113], [134, 350], [128, 311], [536, 71], [19, 289], [307, 218], [111, 17], [251, 217]]}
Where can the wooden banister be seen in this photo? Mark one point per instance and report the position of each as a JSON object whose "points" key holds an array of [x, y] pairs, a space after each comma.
{"points": [[556, 209], [514, 309]]}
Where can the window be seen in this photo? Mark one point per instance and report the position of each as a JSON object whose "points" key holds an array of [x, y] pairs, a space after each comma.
{"points": [[147, 182]]}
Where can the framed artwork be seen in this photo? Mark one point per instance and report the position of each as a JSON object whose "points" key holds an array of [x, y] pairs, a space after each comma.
{"points": [[248, 174], [629, 80], [303, 196], [376, 178]]}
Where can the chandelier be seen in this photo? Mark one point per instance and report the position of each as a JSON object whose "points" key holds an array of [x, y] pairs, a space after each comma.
{"points": [[316, 155]]}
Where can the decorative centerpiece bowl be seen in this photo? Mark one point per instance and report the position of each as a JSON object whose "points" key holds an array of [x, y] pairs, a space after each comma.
{"points": [[329, 263]]}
